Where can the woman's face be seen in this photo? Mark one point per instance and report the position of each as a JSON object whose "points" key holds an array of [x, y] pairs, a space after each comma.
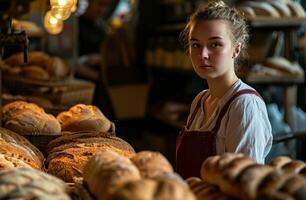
{"points": [[211, 49]]}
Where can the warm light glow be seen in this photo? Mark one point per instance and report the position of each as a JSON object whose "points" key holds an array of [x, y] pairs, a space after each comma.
{"points": [[52, 25], [62, 3], [60, 13]]}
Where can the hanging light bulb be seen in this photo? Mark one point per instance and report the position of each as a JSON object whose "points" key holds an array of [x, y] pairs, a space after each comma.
{"points": [[62, 3], [52, 24], [61, 9], [60, 13]]}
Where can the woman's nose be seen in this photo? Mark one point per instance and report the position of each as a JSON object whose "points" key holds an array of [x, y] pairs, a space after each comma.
{"points": [[204, 53]]}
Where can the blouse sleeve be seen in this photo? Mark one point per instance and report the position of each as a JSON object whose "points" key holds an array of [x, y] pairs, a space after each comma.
{"points": [[248, 128]]}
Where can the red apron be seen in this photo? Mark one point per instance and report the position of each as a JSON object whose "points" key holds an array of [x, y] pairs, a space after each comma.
{"points": [[193, 147]]}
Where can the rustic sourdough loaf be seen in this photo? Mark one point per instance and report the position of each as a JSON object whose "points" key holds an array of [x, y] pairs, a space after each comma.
{"points": [[84, 118]]}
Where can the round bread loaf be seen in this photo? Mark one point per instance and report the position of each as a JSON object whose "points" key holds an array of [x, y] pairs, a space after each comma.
{"points": [[147, 189], [107, 171], [84, 118], [86, 137], [28, 122], [26, 183], [68, 154], [15, 107], [151, 164]]}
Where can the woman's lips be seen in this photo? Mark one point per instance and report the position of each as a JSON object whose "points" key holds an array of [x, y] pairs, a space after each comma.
{"points": [[205, 66]]}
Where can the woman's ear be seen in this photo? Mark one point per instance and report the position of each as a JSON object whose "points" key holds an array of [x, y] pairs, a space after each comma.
{"points": [[237, 50]]}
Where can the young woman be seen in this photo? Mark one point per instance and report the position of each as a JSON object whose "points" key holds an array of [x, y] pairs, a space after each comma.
{"points": [[229, 116]]}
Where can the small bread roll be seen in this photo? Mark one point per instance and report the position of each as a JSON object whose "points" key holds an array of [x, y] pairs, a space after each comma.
{"points": [[151, 164], [84, 118]]}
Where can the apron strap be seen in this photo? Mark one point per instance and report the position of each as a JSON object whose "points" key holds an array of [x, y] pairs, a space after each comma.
{"points": [[228, 103], [195, 111]]}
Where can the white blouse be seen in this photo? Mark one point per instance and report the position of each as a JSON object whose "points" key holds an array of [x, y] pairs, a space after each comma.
{"points": [[245, 127]]}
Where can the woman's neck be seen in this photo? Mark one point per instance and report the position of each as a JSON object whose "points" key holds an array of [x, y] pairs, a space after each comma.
{"points": [[219, 86]]}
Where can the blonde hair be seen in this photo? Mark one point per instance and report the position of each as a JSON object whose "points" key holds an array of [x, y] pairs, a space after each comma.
{"points": [[218, 10]]}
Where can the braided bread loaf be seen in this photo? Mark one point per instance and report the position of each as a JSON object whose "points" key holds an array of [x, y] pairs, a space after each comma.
{"points": [[241, 177]]}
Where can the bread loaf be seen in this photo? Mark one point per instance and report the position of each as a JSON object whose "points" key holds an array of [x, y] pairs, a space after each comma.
{"points": [[255, 181], [68, 154], [146, 189], [84, 118], [85, 137], [107, 171], [151, 164], [28, 119], [26, 183], [35, 73], [13, 108]]}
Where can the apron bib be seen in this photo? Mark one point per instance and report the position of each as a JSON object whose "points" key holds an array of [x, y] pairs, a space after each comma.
{"points": [[193, 147]]}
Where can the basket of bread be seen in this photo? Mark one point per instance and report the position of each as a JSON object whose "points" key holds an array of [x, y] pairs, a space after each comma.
{"points": [[47, 77]]}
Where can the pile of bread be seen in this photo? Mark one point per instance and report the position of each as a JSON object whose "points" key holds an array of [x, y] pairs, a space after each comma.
{"points": [[40, 66], [235, 176], [30, 119], [86, 153], [272, 9], [276, 68]]}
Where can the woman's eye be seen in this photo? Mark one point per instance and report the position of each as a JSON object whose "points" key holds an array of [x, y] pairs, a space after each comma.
{"points": [[214, 45], [195, 45]]}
